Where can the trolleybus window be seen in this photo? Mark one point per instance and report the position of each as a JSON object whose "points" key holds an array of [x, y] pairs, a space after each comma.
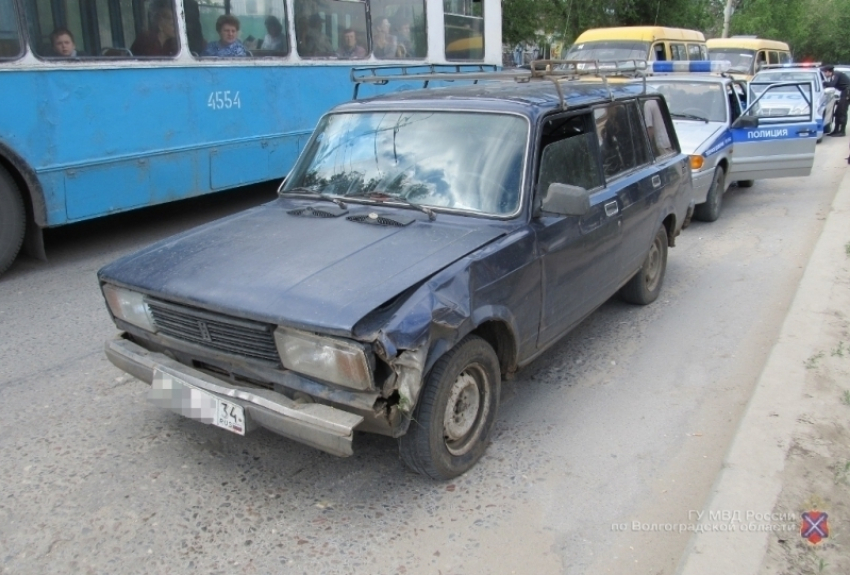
{"points": [[405, 21], [116, 28], [10, 42], [335, 29], [464, 20], [261, 27]]}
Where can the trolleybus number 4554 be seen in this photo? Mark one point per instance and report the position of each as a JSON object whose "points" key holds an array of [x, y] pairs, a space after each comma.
{"points": [[221, 100]]}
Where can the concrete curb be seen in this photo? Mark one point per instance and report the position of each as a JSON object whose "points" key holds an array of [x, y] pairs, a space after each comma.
{"points": [[751, 478]]}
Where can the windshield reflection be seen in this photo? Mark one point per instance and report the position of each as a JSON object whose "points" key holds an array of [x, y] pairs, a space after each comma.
{"points": [[740, 60], [462, 161], [609, 50], [703, 99]]}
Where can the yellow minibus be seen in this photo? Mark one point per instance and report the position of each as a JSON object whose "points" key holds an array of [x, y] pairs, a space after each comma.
{"points": [[639, 43], [748, 53]]}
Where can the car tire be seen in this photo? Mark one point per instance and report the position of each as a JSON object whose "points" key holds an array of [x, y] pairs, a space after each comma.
{"points": [[465, 382], [13, 221], [745, 183], [709, 210], [828, 128], [645, 285]]}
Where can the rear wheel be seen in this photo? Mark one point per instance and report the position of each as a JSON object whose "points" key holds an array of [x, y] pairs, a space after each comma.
{"points": [[645, 285], [828, 128], [709, 210], [456, 411], [13, 222]]}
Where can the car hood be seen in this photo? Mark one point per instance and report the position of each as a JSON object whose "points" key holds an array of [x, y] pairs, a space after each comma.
{"points": [[694, 135], [315, 273]]}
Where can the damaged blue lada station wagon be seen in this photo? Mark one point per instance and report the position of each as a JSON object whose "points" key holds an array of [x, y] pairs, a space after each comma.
{"points": [[425, 245]]}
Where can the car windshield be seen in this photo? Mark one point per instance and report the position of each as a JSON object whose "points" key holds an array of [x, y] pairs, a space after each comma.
{"points": [[462, 161], [741, 60], [692, 100], [609, 50]]}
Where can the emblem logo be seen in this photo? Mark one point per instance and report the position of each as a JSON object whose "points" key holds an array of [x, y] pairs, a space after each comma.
{"points": [[814, 526], [205, 332]]}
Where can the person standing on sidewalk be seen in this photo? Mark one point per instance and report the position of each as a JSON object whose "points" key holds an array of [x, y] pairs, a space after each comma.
{"points": [[841, 83]]}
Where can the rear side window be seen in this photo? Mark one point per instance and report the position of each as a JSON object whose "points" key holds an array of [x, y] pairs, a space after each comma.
{"points": [[772, 58], [569, 153], [678, 52], [657, 128], [623, 143], [784, 58]]}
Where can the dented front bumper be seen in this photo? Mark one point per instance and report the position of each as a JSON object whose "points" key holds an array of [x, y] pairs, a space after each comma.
{"points": [[320, 426]]}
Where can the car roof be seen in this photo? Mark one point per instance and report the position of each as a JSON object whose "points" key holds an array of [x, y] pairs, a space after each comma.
{"points": [[530, 98], [747, 43]]}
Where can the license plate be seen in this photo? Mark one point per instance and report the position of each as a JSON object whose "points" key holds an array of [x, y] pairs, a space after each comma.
{"points": [[230, 416], [189, 401]]}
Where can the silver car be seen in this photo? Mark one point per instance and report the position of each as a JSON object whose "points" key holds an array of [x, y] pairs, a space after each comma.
{"points": [[730, 142], [790, 100]]}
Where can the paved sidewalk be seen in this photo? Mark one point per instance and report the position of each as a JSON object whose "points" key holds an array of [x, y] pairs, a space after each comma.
{"points": [[754, 468]]}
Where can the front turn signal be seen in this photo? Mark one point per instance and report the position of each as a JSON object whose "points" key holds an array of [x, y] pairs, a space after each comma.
{"points": [[697, 162]]}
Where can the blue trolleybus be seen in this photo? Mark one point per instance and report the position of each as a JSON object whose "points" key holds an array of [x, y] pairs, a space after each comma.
{"points": [[111, 105]]}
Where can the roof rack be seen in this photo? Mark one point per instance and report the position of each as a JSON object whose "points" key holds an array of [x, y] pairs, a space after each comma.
{"points": [[556, 71], [384, 74]]}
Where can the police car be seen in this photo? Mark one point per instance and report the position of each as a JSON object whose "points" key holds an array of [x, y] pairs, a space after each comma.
{"points": [[792, 101], [727, 141]]}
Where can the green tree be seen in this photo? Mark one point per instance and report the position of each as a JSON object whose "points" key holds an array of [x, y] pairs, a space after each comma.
{"points": [[536, 20], [815, 29]]}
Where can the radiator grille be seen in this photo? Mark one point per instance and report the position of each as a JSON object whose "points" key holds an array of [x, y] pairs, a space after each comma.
{"points": [[240, 337]]}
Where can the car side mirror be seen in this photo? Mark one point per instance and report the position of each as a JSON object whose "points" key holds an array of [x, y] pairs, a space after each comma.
{"points": [[746, 121], [565, 200]]}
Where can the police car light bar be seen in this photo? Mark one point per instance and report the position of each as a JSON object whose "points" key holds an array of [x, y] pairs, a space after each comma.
{"points": [[704, 66], [791, 65]]}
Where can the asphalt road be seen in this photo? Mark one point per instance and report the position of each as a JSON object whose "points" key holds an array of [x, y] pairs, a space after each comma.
{"points": [[625, 420]]}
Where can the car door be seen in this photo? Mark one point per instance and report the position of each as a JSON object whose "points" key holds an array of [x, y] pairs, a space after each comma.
{"points": [[577, 252], [635, 179], [776, 135]]}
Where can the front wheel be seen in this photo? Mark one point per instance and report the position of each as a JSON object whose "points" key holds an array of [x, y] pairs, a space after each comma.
{"points": [[456, 411], [645, 285], [709, 210], [13, 221]]}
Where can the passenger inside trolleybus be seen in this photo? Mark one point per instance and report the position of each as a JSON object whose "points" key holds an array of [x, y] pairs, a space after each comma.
{"points": [[160, 38]]}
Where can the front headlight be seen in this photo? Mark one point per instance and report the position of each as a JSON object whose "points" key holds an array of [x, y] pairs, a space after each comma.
{"points": [[338, 361], [129, 306]]}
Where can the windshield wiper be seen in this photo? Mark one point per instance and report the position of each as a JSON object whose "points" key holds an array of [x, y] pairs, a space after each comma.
{"points": [[316, 194], [382, 197], [689, 117]]}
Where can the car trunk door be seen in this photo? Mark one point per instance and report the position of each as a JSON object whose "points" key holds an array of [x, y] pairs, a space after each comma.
{"points": [[781, 141]]}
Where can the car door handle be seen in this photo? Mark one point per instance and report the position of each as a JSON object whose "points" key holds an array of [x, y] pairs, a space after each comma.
{"points": [[611, 209], [804, 132], [656, 181]]}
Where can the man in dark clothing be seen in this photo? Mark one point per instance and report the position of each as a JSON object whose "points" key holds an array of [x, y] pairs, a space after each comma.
{"points": [[841, 83]]}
